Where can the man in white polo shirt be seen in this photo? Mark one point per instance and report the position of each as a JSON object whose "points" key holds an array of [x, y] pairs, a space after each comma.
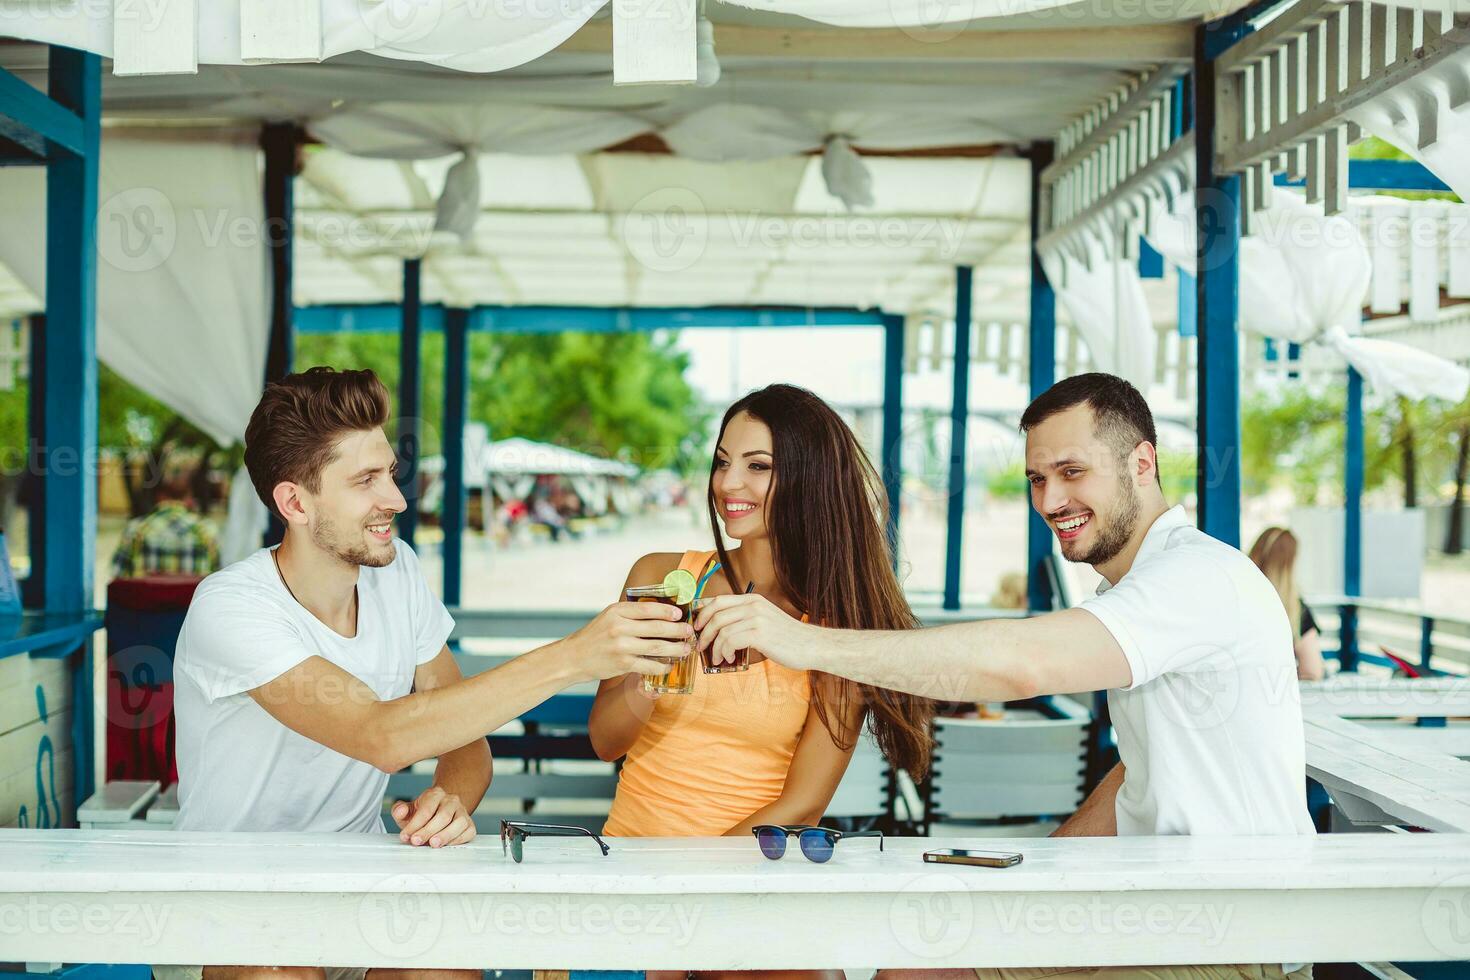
{"points": [[1188, 637]]}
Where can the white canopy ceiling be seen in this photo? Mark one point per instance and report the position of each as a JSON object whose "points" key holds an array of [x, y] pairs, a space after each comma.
{"points": [[627, 229]]}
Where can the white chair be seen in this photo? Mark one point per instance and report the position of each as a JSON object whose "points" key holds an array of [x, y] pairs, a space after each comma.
{"points": [[1029, 765]]}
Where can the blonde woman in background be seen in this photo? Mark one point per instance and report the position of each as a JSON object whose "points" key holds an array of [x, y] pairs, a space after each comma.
{"points": [[1275, 555]]}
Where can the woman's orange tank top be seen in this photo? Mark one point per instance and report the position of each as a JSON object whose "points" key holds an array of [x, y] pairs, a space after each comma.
{"points": [[706, 760]]}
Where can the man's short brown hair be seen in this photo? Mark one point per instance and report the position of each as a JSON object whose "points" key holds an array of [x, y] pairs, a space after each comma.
{"points": [[293, 430]]}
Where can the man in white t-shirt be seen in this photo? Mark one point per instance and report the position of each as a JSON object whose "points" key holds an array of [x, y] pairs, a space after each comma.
{"points": [[1188, 637], [306, 673]]}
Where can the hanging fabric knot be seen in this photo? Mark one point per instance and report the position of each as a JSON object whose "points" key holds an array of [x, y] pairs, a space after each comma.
{"points": [[459, 205], [848, 178]]}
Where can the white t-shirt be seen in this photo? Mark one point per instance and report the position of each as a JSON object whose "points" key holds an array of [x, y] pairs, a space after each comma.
{"points": [[239, 768], [1210, 731]]}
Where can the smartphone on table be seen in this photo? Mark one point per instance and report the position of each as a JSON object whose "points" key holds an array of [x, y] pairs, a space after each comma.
{"points": [[980, 859]]}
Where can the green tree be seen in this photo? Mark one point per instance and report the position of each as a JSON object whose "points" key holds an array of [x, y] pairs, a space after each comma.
{"points": [[616, 395]]}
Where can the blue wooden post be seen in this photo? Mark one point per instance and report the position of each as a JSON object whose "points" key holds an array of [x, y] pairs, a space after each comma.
{"points": [[1352, 537], [278, 142], [456, 385], [69, 377], [892, 461], [1426, 643], [959, 417], [408, 401], [33, 589], [1042, 373], [1217, 307]]}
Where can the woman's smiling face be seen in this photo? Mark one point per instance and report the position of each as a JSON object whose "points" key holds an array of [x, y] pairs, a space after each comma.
{"points": [[742, 476]]}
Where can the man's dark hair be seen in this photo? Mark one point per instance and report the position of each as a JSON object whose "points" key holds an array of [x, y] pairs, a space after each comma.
{"points": [[293, 431], [1120, 416]]}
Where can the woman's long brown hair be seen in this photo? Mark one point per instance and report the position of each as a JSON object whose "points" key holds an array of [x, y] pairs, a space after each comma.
{"points": [[826, 515]]}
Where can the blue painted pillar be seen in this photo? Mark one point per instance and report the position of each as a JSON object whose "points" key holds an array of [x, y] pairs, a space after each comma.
{"points": [[1042, 372], [68, 380], [1217, 292], [959, 418], [892, 461], [408, 400], [456, 386], [1352, 538], [278, 142], [33, 588]]}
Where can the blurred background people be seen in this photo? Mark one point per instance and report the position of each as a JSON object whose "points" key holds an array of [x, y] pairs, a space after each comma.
{"points": [[1275, 555]]}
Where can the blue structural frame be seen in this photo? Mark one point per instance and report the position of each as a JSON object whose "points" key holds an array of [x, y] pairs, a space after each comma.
{"points": [[1041, 375], [1217, 310], [61, 129], [387, 318], [409, 424], [892, 438], [456, 390], [1383, 175], [412, 318], [1352, 538], [278, 142], [959, 420]]}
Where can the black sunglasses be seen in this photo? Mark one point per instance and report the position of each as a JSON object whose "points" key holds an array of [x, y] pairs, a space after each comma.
{"points": [[513, 834], [816, 842]]}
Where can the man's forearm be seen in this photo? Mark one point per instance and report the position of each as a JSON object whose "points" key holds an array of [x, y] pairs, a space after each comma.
{"points": [[465, 772], [436, 722], [976, 661], [1098, 814]]}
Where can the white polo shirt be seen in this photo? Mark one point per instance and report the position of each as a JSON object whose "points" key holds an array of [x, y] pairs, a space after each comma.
{"points": [[239, 768], [1210, 731]]}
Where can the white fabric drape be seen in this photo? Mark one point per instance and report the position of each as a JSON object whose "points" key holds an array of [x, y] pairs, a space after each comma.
{"points": [[1104, 298], [181, 278], [1432, 105], [475, 35], [1303, 278], [1400, 369], [404, 131]]}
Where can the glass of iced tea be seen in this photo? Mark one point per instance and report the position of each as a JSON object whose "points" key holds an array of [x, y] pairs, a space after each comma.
{"points": [[680, 676], [706, 661]]}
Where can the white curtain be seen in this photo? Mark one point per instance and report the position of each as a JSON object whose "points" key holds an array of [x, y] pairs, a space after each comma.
{"points": [[414, 131], [1430, 107], [1303, 278], [181, 280], [476, 35], [1104, 298]]}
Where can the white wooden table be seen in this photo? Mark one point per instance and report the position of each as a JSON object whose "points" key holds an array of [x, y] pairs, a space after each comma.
{"points": [[1374, 779], [98, 896], [1367, 696]]}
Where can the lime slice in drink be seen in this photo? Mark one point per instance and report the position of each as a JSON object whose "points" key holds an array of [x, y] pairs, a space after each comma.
{"points": [[683, 583]]}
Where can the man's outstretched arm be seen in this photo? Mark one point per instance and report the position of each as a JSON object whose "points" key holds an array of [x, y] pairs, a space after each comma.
{"points": [[991, 660]]}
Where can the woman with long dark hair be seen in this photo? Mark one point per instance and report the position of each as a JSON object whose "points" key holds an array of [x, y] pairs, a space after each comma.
{"points": [[790, 483]]}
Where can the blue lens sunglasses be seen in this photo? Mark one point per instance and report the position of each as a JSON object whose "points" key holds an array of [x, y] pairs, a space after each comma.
{"points": [[817, 843]]}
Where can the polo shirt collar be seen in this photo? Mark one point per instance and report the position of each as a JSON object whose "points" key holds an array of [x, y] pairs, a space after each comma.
{"points": [[1154, 538]]}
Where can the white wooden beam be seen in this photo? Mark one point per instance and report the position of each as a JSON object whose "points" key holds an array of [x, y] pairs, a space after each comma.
{"points": [[1125, 47], [274, 31], [653, 42], [155, 38]]}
